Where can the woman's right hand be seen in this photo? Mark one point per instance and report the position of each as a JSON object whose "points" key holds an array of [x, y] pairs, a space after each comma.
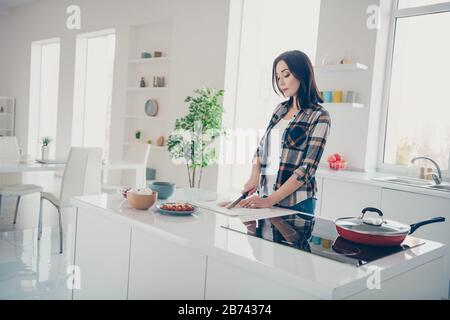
{"points": [[251, 186]]}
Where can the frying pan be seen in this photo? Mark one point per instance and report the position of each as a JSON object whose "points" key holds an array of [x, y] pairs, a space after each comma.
{"points": [[377, 231]]}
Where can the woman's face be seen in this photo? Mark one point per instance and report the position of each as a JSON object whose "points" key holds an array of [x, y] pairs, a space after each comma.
{"points": [[287, 83]]}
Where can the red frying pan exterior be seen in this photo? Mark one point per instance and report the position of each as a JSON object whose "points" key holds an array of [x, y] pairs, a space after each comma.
{"points": [[370, 239], [378, 237]]}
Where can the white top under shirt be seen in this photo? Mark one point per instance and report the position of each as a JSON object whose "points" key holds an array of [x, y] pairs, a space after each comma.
{"points": [[275, 138]]}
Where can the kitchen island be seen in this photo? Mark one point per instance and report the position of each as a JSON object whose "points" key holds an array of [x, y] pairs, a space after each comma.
{"points": [[122, 253]]}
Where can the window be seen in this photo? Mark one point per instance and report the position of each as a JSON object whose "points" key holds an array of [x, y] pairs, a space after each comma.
{"points": [[94, 69], [402, 4], [44, 85], [418, 114]]}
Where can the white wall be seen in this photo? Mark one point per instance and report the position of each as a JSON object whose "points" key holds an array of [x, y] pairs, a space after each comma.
{"points": [[199, 43], [343, 28]]}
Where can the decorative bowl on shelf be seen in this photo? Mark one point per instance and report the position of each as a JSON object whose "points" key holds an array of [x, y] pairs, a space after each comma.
{"points": [[164, 189]]}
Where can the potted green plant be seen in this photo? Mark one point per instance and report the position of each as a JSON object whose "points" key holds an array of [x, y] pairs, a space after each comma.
{"points": [[137, 134], [45, 148], [192, 141]]}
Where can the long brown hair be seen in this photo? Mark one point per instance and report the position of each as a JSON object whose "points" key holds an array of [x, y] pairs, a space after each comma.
{"points": [[301, 67]]}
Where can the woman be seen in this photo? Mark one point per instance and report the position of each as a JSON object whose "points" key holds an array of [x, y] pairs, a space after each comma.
{"points": [[304, 127]]}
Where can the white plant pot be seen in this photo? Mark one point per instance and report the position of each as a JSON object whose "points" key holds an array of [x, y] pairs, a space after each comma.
{"points": [[45, 152]]}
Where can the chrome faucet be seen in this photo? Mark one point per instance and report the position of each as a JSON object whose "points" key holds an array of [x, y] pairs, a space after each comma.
{"points": [[437, 178]]}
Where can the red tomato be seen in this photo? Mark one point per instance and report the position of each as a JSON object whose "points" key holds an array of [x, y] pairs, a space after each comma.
{"points": [[331, 158]]}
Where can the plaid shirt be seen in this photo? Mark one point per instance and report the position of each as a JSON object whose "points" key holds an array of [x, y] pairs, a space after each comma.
{"points": [[302, 146]]}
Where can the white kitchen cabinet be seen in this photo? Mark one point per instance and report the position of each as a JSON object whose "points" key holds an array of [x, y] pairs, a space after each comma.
{"points": [[347, 199], [408, 207], [161, 269], [428, 278], [102, 256], [245, 284]]}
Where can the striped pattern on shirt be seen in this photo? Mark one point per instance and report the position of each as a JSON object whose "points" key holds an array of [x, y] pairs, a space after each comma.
{"points": [[302, 146]]}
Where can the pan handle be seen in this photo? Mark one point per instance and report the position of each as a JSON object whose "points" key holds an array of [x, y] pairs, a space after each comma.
{"points": [[417, 225], [372, 210]]}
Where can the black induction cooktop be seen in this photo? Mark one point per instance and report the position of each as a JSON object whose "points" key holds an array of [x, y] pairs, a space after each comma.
{"points": [[317, 236]]}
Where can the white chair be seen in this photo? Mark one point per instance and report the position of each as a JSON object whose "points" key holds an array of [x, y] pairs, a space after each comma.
{"points": [[11, 183], [136, 153], [82, 176]]}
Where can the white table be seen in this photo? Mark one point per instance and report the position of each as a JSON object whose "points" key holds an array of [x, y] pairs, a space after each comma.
{"points": [[32, 165]]}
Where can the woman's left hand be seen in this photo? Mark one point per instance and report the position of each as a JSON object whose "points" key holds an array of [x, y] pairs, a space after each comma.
{"points": [[255, 202]]}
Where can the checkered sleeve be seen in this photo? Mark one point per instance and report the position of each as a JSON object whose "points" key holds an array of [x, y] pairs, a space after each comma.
{"points": [[255, 156], [257, 153], [314, 149]]}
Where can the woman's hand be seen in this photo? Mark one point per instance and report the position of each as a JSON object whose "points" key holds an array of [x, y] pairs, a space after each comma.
{"points": [[251, 186], [255, 202]]}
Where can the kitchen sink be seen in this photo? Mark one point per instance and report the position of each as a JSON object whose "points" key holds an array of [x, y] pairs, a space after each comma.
{"points": [[407, 181], [442, 187], [416, 183]]}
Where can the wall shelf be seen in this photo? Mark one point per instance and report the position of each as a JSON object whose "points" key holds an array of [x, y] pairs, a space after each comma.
{"points": [[7, 115], [341, 68], [343, 105], [130, 116], [149, 60], [148, 89], [151, 146]]}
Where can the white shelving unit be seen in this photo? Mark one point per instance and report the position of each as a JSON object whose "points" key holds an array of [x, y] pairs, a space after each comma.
{"points": [[331, 72], [149, 60], [132, 116], [7, 116], [152, 146], [148, 89], [341, 68], [150, 37]]}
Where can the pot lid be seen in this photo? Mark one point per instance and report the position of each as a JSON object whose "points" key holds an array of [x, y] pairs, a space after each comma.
{"points": [[373, 225]]}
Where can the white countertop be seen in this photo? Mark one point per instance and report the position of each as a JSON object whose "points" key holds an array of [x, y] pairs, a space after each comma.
{"points": [[202, 232], [367, 178]]}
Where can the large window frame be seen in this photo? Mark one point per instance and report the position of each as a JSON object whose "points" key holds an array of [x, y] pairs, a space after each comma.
{"points": [[80, 89], [397, 13], [35, 97]]}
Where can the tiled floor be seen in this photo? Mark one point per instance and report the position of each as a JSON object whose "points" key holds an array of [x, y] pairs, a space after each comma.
{"points": [[32, 269]]}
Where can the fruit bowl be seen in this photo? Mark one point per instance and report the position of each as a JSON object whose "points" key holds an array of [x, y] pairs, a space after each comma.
{"points": [[137, 199]]}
